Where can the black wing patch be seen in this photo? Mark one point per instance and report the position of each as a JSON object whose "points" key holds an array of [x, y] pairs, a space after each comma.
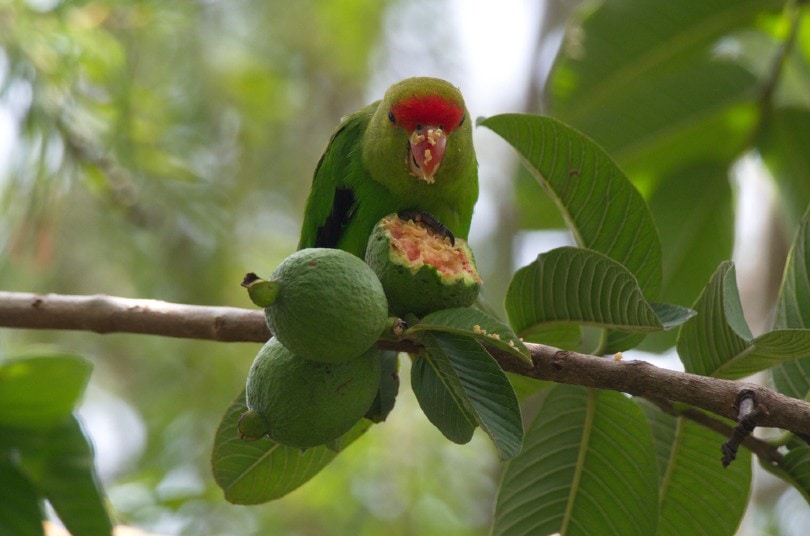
{"points": [[332, 229]]}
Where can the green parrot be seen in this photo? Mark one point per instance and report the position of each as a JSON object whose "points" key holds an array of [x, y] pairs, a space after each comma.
{"points": [[412, 151]]}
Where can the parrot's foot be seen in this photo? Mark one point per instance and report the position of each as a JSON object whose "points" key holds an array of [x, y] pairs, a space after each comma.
{"points": [[429, 220]]}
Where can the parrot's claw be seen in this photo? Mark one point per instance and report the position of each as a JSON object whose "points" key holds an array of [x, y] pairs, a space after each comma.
{"points": [[430, 221]]}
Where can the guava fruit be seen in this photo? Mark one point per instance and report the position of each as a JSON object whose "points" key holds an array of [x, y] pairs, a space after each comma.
{"points": [[420, 268], [303, 403], [323, 304]]}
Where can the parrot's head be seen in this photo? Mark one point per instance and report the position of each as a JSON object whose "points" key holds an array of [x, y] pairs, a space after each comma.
{"points": [[418, 119]]}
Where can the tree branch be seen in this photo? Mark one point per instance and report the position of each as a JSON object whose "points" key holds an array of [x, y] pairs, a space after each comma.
{"points": [[108, 314]]}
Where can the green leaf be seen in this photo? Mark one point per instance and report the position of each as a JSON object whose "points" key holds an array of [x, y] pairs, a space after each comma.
{"points": [[254, 472], [793, 311], [588, 467], [783, 145], [39, 392], [671, 315], [792, 378], [60, 462], [689, 459], [794, 467], [577, 285], [693, 212], [480, 387], [389, 387], [439, 402], [565, 336], [70, 483], [718, 332], [793, 303], [797, 464], [634, 75], [534, 208], [767, 350], [619, 341], [718, 342], [20, 513], [476, 324], [603, 210]]}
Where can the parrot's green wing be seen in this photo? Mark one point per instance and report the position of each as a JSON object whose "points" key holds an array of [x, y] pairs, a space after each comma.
{"points": [[332, 200]]}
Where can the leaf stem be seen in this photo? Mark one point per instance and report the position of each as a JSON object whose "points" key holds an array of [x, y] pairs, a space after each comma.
{"points": [[587, 428]]}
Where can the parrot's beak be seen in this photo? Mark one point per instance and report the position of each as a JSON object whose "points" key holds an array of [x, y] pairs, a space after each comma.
{"points": [[427, 149]]}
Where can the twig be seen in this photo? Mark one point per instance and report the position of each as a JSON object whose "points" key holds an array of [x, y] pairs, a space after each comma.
{"points": [[747, 413], [764, 450], [107, 314]]}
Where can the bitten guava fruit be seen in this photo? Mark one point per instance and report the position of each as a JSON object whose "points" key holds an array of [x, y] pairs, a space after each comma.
{"points": [[323, 304], [302, 403], [420, 268]]}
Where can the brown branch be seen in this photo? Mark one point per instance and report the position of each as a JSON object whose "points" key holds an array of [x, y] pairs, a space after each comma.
{"points": [[640, 378], [110, 314], [107, 314]]}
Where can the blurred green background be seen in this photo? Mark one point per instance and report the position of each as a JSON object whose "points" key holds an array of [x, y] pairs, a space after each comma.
{"points": [[161, 150], [154, 149]]}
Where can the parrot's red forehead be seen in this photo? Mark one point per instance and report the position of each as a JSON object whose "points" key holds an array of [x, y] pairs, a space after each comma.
{"points": [[428, 110]]}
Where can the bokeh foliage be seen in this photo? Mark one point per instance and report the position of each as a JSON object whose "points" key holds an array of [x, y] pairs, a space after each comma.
{"points": [[162, 150]]}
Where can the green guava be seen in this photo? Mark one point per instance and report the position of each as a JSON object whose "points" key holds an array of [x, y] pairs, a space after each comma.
{"points": [[421, 270], [303, 403], [323, 304]]}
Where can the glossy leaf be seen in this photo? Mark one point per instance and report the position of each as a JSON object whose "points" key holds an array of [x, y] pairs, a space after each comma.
{"points": [[479, 386], [719, 343], [577, 285], [440, 403], [588, 467], [719, 331], [476, 324], [253, 472], [768, 350], [603, 210], [40, 392], [689, 459]]}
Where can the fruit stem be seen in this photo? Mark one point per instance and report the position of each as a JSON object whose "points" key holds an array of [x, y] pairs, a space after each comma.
{"points": [[394, 329], [262, 292]]}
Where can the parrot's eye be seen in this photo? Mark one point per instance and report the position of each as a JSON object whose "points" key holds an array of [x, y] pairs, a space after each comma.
{"points": [[391, 116], [419, 126]]}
